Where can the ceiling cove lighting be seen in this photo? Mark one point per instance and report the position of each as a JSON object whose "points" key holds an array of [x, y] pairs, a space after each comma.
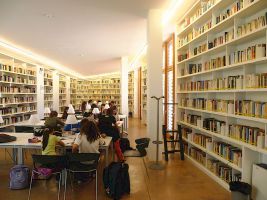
{"points": [[169, 13], [37, 58], [136, 59]]}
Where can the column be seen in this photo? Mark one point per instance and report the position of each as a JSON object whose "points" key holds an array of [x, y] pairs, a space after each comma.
{"points": [[154, 79], [40, 92], [67, 90], [124, 85]]}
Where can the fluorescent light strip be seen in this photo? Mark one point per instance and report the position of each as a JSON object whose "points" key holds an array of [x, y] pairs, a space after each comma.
{"points": [[37, 58], [136, 60]]}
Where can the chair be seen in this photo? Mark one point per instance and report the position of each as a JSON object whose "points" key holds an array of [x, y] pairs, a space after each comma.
{"points": [[24, 129], [55, 162], [76, 164], [140, 151]]}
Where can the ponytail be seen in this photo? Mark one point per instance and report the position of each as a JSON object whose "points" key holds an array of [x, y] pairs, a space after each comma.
{"points": [[47, 131]]}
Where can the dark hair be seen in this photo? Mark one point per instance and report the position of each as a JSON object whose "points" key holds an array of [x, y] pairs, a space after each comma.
{"points": [[109, 111], [93, 106], [87, 114], [53, 114], [83, 106], [90, 101], [46, 134], [89, 128], [65, 113]]}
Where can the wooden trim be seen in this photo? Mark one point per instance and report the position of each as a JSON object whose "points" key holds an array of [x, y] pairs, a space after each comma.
{"points": [[140, 93]]}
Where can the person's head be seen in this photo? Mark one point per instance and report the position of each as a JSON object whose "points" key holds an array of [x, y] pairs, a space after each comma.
{"points": [[66, 109], [102, 107], [112, 103], [46, 134], [109, 111], [89, 128], [90, 101], [114, 110], [83, 106], [53, 114], [93, 106]]}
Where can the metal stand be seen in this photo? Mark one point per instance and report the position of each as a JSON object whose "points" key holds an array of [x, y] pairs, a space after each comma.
{"points": [[157, 165]]}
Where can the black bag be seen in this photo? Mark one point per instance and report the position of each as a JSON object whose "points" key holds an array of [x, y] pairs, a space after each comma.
{"points": [[116, 180], [38, 132], [4, 138], [125, 145]]}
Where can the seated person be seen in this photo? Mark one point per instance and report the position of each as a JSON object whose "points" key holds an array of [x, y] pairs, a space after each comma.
{"points": [[89, 116], [89, 139], [53, 121], [49, 142], [107, 125], [65, 113]]}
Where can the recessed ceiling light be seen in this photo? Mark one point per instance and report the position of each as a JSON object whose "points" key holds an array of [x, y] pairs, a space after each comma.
{"points": [[82, 55], [49, 15]]}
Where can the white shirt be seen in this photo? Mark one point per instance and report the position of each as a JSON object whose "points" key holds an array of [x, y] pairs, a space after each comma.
{"points": [[85, 146]]}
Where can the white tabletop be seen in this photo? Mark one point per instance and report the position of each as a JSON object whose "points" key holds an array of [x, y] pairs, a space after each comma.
{"points": [[28, 123], [22, 141]]}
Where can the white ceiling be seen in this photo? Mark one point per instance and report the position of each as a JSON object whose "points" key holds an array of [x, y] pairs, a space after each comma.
{"points": [[88, 36]]}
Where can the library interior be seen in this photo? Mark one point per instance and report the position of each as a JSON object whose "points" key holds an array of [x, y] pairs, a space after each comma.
{"points": [[138, 100]]}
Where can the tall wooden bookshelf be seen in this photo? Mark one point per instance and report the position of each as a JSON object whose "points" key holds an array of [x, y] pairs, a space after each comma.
{"points": [[62, 92], [221, 86], [48, 88], [144, 95], [131, 92], [18, 86]]}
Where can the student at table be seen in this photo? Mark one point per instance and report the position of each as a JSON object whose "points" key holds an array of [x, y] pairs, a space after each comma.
{"points": [[115, 113], [89, 139], [107, 125], [83, 106], [49, 142], [53, 121], [65, 113]]}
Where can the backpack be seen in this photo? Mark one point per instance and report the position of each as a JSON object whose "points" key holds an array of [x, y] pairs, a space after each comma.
{"points": [[4, 138], [116, 180], [125, 145], [19, 177]]}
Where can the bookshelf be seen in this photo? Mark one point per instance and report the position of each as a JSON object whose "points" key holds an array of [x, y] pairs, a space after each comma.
{"points": [[144, 94], [73, 92], [62, 92], [131, 92], [48, 88], [18, 84], [221, 84]]}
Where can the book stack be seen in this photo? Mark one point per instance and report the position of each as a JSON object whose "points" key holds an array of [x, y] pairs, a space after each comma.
{"points": [[256, 80], [238, 5], [200, 49], [215, 63], [191, 119], [214, 125], [251, 26], [251, 108], [184, 56], [185, 39], [186, 132], [202, 29], [191, 69], [198, 155], [230, 153], [185, 147], [251, 135], [228, 36], [200, 139], [250, 53]]}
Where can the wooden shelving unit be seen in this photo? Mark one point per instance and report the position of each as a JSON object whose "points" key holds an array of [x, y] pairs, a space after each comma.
{"points": [[62, 92], [48, 88], [18, 90], [144, 94], [131, 92], [221, 86], [73, 93]]}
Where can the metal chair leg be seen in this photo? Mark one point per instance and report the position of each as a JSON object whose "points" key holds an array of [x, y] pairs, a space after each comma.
{"points": [[59, 183], [96, 185], [65, 184], [29, 195]]}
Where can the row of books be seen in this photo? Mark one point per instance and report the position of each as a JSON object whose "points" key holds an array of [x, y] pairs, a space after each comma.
{"points": [[251, 108], [190, 118], [252, 25], [250, 53], [256, 80], [9, 100], [191, 69], [200, 49], [198, 155], [187, 38], [16, 89], [48, 83], [19, 70], [200, 139], [205, 5], [13, 119], [48, 98], [48, 90], [230, 82], [18, 109], [222, 171], [215, 105], [226, 37], [202, 29], [183, 56], [228, 152], [251, 135], [238, 5], [18, 79]]}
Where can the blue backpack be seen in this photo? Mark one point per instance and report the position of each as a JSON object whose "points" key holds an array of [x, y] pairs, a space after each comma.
{"points": [[19, 177]]}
